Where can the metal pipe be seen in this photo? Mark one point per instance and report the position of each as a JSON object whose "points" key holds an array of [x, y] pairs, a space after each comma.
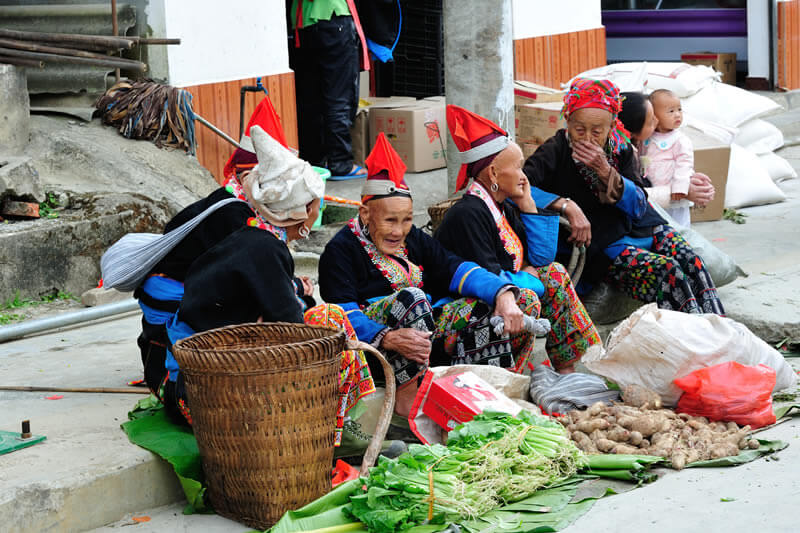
{"points": [[61, 38], [18, 61], [56, 58], [216, 130], [33, 47], [40, 325]]}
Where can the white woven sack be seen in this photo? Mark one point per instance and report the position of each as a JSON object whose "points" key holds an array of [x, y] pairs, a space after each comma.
{"points": [[748, 181], [126, 263], [726, 104], [680, 78], [759, 136], [777, 167], [653, 347]]}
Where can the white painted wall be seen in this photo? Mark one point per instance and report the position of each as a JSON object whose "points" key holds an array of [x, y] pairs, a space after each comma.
{"points": [[224, 41], [758, 34], [536, 18]]}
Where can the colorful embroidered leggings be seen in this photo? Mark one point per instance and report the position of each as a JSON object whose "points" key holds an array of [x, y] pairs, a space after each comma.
{"points": [[572, 330], [671, 275]]}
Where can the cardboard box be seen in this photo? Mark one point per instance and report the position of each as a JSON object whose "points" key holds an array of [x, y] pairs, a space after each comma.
{"points": [[723, 63], [528, 149], [526, 92], [453, 400], [535, 123], [712, 158], [417, 131], [360, 133]]}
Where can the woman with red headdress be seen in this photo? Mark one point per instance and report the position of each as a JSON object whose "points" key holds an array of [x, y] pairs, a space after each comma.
{"points": [[395, 283], [496, 224], [588, 173]]}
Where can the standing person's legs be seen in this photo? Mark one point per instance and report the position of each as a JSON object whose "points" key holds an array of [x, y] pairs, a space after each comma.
{"points": [[338, 74], [672, 244], [650, 277], [308, 90]]}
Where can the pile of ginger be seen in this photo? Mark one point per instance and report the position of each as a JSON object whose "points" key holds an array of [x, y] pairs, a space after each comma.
{"points": [[641, 426]]}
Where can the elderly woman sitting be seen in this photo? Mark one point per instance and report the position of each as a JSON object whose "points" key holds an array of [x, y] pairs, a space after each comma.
{"points": [[496, 224], [381, 270], [589, 173], [234, 267]]}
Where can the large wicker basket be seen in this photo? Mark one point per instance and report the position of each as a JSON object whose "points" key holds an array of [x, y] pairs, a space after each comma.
{"points": [[263, 402], [439, 210]]}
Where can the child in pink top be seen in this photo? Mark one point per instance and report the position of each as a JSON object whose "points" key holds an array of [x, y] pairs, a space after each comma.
{"points": [[669, 154]]}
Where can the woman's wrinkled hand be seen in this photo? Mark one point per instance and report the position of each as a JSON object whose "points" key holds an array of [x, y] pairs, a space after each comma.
{"points": [[308, 286], [701, 191], [581, 228], [412, 344], [593, 157], [525, 201], [531, 270], [506, 306]]}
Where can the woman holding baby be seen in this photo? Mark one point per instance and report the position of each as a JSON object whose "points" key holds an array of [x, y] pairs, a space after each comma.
{"points": [[590, 173]]}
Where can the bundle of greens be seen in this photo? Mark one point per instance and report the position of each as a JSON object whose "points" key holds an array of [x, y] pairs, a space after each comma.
{"points": [[488, 462]]}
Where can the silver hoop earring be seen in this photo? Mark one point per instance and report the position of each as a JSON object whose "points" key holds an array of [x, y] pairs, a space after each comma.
{"points": [[365, 230], [304, 231], [494, 187]]}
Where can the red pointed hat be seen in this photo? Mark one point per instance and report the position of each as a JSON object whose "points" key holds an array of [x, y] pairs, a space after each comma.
{"points": [[385, 172], [478, 140], [268, 120]]}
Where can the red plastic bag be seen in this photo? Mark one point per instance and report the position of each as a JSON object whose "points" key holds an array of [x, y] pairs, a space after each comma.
{"points": [[731, 392]]}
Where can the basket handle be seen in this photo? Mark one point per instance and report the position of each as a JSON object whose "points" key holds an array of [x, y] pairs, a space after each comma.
{"points": [[382, 427]]}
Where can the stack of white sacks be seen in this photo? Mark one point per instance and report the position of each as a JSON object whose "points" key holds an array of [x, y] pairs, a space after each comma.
{"points": [[725, 112]]}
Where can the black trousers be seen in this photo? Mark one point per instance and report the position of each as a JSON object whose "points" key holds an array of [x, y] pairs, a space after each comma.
{"points": [[326, 80]]}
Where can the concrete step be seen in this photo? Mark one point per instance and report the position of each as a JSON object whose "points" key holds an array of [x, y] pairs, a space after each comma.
{"points": [[86, 473]]}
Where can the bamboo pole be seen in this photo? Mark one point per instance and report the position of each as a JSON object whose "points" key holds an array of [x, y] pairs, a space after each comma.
{"points": [[112, 62], [148, 40], [114, 29], [19, 62], [102, 390], [61, 38]]}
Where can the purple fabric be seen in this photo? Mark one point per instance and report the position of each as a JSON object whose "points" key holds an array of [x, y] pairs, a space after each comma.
{"points": [[676, 23], [473, 169]]}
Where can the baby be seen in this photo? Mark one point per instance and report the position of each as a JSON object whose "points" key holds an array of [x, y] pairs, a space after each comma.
{"points": [[670, 154]]}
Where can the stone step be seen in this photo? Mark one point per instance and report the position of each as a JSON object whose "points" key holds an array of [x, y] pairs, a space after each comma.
{"points": [[86, 473]]}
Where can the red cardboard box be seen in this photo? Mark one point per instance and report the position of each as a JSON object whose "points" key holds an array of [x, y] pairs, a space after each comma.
{"points": [[453, 400]]}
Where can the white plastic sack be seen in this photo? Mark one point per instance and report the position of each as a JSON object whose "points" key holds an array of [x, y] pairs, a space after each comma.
{"points": [[680, 78], [759, 136], [722, 268], [654, 346], [726, 104], [721, 132], [777, 167], [748, 181]]}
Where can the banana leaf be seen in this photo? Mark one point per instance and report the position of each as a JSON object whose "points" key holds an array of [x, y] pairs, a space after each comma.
{"points": [[745, 456], [152, 430], [784, 410]]}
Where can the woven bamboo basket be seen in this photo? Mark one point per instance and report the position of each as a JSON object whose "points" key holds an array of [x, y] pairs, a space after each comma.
{"points": [[263, 399], [437, 212]]}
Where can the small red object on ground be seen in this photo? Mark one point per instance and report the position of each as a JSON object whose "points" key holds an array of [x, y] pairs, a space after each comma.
{"points": [[140, 519], [343, 472], [55, 397], [20, 209]]}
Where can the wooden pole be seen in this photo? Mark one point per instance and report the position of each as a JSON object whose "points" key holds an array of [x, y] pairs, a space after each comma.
{"points": [[103, 390], [61, 38], [19, 62], [148, 40], [112, 62]]}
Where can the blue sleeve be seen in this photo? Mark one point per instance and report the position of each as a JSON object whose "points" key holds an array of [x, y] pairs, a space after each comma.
{"points": [[523, 280], [542, 198], [366, 328], [473, 281], [633, 201], [541, 232]]}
